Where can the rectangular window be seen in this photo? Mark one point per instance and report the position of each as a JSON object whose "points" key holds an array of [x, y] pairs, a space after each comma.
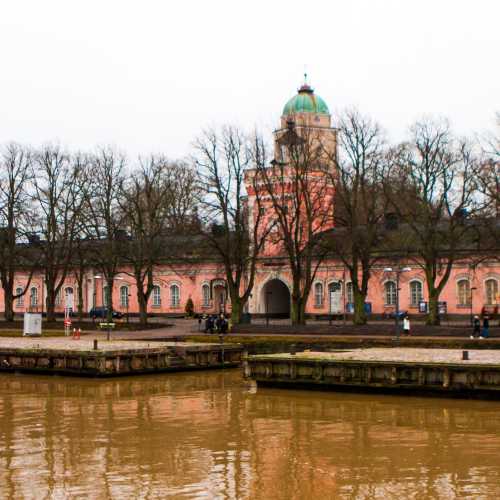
{"points": [[156, 296], [20, 299]]}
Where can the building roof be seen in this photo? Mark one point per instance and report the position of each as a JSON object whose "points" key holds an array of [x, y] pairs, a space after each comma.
{"points": [[306, 101]]}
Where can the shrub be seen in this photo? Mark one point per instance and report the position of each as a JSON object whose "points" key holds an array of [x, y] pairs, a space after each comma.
{"points": [[189, 309]]}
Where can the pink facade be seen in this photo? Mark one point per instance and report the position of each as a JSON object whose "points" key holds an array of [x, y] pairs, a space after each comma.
{"points": [[204, 284]]}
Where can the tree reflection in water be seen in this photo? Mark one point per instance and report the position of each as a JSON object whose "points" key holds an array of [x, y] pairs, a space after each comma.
{"points": [[186, 435]]}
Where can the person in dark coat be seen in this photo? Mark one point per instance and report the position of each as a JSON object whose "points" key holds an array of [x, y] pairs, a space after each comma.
{"points": [[476, 327], [486, 327], [209, 324], [221, 324]]}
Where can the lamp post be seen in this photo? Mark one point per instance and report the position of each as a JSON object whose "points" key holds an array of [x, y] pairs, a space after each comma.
{"points": [[471, 303], [398, 271], [110, 314]]}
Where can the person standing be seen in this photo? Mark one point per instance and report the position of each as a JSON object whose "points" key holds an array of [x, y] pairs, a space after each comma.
{"points": [[476, 327], [486, 327], [406, 325]]}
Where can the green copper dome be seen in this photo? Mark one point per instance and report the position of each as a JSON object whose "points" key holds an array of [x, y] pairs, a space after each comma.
{"points": [[305, 102]]}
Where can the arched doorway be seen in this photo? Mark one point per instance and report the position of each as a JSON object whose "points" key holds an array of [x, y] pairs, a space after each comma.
{"points": [[275, 299]]}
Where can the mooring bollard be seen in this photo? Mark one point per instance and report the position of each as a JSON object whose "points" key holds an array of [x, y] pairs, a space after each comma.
{"points": [[465, 355], [95, 344]]}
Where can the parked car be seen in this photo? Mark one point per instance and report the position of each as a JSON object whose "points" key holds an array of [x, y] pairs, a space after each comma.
{"points": [[102, 312]]}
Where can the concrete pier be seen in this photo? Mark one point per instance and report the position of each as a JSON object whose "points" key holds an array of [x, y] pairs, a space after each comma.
{"points": [[443, 371], [114, 358]]}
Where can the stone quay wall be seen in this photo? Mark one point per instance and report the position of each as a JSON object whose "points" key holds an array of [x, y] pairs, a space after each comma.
{"points": [[106, 363], [448, 376]]}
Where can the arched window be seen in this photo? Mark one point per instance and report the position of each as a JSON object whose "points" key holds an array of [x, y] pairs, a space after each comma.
{"points": [[463, 292], [318, 295], [124, 296], [57, 301], [416, 293], [174, 296], [205, 293], [69, 297], [491, 291], [390, 293], [349, 293], [105, 296], [34, 296], [156, 296], [20, 298]]}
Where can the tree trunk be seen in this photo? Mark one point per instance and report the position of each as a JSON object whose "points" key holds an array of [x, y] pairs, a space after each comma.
{"points": [[359, 317], [298, 311], [433, 314], [109, 284], [80, 300], [143, 306], [236, 310], [51, 312], [9, 305]]}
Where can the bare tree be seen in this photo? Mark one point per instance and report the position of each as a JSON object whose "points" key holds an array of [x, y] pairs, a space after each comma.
{"points": [[433, 187], [157, 201], [298, 191], [104, 217], [57, 203], [360, 204], [489, 185], [15, 181], [232, 229]]}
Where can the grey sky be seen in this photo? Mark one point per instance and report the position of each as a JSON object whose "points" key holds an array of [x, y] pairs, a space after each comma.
{"points": [[148, 75]]}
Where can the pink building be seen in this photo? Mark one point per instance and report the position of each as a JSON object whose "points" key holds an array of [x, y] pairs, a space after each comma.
{"points": [[469, 290]]}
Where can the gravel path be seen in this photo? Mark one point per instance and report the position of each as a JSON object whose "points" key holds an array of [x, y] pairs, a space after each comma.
{"points": [[84, 344], [405, 355]]}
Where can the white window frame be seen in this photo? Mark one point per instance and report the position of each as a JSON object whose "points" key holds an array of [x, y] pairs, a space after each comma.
{"points": [[20, 299], [318, 294], [467, 299], [490, 300], [124, 302], [175, 300], [105, 296], [418, 297], [205, 295], [349, 292], [156, 293], [34, 295], [390, 296]]}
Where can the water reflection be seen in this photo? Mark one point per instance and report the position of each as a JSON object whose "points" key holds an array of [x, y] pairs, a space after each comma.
{"points": [[211, 435]]}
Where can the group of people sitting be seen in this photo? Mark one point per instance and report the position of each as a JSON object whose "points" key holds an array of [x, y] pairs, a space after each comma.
{"points": [[215, 324]]}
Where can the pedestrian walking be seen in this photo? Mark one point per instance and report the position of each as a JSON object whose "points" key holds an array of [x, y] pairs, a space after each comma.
{"points": [[486, 327], [406, 325], [476, 327]]}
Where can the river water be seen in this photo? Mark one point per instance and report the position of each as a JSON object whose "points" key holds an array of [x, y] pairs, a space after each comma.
{"points": [[214, 435]]}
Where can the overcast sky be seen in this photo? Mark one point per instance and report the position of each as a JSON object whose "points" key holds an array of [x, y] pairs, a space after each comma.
{"points": [[149, 75]]}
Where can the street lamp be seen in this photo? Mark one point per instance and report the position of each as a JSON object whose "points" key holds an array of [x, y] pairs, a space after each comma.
{"points": [[398, 271], [471, 302], [110, 313]]}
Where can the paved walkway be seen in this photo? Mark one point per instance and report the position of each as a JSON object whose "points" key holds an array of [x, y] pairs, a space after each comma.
{"points": [[403, 355]]}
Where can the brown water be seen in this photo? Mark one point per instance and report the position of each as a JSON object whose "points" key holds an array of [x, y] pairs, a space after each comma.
{"points": [[212, 435]]}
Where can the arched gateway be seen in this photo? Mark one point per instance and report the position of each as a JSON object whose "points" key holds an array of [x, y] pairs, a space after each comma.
{"points": [[275, 299]]}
